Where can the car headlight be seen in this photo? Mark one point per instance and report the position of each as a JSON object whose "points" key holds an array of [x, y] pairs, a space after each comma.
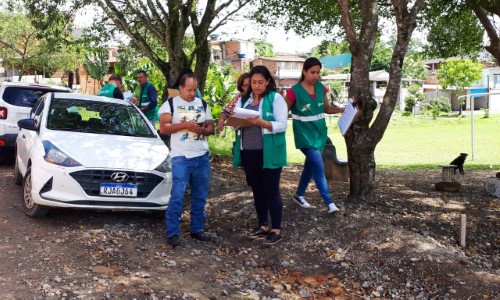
{"points": [[55, 156], [165, 166]]}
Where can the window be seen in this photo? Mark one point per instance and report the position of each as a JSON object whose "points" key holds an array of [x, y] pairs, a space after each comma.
{"points": [[496, 80], [23, 96], [97, 117]]}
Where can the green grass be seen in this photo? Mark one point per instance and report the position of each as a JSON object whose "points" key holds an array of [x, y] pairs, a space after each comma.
{"points": [[416, 142]]}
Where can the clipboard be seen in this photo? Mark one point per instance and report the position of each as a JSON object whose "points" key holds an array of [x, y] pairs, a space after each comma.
{"points": [[172, 93], [237, 122], [348, 116]]}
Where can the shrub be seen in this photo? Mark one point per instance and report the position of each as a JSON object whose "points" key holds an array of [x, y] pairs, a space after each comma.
{"points": [[410, 102], [407, 114], [486, 113], [438, 105]]}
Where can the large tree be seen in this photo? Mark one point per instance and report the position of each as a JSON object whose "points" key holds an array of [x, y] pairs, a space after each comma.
{"points": [[157, 27], [22, 46], [456, 27], [359, 22]]}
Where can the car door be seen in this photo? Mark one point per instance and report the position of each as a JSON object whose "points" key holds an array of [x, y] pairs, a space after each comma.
{"points": [[27, 138]]}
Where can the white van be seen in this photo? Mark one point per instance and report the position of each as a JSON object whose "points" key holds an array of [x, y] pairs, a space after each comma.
{"points": [[16, 101]]}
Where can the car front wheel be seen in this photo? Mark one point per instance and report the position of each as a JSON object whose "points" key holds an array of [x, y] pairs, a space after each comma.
{"points": [[30, 208]]}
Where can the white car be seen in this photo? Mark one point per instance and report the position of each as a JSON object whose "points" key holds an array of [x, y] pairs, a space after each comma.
{"points": [[90, 152], [16, 101]]}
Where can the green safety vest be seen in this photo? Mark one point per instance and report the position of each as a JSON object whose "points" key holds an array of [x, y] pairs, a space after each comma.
{"points": [[144, 99], [107, 90], [274, 144], [309, 125]]}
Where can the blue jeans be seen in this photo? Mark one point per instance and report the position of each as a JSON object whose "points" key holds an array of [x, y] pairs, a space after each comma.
{"points": [[314, 168], [196, 172]]}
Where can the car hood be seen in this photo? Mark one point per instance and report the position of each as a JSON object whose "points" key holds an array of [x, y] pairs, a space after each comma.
{"points": [[110, 151]]}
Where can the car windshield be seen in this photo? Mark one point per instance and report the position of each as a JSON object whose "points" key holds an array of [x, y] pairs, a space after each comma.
{"points": [[97, 117], [24, 96]]}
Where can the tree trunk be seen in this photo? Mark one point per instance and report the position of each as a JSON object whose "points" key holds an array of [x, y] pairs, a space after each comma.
{"points": [[202, 64], [360, 150], [361, 173]]}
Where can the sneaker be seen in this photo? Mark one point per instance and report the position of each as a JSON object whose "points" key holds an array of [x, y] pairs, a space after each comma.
{"points": [[201, 236], [332, 208], [257, 233], [174, 241], [271, 239], [300, 200]]}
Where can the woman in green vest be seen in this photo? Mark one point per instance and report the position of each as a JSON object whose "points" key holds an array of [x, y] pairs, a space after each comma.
{"points": [[308, 103], [261, 149]]}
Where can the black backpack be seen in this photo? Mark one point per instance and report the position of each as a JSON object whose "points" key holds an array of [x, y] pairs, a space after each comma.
{"points": [[166, 137]]}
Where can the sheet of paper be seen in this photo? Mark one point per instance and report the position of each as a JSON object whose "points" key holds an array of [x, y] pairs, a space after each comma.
{"points": [[243, 113], [127, 96], [347, 117]]}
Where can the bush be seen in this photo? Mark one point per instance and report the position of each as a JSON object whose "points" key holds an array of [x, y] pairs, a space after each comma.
{"points": [[410, 102], [407, 114], [486, 113], [438, 105]]}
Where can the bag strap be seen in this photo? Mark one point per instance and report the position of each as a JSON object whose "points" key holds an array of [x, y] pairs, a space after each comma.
{"points": [[171, 103]]}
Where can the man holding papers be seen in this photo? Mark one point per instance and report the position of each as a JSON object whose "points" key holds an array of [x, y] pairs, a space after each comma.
{"points": [[308, 103]]}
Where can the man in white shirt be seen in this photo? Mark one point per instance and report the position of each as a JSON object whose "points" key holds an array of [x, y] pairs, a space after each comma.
{"points": [[189, 124]]}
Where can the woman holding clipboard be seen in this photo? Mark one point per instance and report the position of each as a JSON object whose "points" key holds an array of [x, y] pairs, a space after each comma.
{"points": [[308, 102]]}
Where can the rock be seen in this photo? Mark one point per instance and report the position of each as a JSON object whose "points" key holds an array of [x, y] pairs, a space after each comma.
{"points": [[304, 293], [224, 293], [492, 186], [365, 285]]}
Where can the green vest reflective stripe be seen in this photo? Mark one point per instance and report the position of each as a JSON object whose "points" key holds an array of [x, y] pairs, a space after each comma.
{"points": [[274, 144], [107, 90], [144, 99], [309, 125]]}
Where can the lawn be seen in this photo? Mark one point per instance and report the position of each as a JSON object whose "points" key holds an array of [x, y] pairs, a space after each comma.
{"points": [[412, 142]]}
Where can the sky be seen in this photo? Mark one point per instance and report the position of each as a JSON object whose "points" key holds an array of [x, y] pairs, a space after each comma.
{"points": [[282, 41]]}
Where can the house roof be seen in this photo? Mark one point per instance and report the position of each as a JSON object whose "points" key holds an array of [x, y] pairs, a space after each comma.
{"points": [[336, 61]]}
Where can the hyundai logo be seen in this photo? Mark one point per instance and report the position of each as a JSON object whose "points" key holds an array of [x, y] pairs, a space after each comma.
{"points": [[119, 176]]}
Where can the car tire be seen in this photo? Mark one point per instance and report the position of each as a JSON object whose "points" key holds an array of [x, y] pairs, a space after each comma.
{"points": [[30, 208], [18, 177]]}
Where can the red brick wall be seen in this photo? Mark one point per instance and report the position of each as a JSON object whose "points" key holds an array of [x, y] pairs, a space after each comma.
{"points": [[232, 49]]}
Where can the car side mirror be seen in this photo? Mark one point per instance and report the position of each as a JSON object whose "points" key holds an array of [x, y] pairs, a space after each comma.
{"points": [[28, 124]]}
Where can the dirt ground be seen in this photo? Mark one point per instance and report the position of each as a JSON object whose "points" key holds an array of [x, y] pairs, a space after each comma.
{"points": [[402, 246]]}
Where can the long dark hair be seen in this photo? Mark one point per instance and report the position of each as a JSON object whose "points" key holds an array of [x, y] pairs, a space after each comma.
{"points": [[309, 63], [267, 76]]}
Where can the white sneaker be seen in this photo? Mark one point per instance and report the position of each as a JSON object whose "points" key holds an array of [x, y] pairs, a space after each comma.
{"points": [[332, 208], [300, 200]]}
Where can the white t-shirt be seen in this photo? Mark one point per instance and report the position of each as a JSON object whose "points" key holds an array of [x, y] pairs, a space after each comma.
{"points": [[184, 142]]}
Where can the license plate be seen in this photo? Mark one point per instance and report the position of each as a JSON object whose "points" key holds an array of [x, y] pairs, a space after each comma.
{"points": [[115, 189]]}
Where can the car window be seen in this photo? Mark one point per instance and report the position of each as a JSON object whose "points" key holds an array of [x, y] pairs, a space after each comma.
{"points": [[37, 109], [97, 117], [24, 96]]}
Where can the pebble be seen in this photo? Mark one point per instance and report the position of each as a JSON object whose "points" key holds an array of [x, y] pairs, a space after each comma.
{"points": [[305, 293]]}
